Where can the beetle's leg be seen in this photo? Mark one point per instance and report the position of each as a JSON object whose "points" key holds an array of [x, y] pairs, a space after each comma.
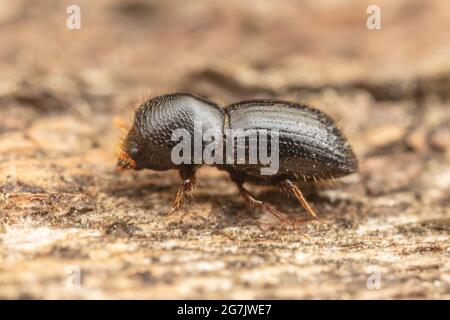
{"points": [[288, 186], [188, 185], [255, 203]]}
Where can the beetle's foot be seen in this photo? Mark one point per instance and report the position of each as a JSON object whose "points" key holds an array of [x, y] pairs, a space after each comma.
{"points": [[289, 186], [186, 188]]}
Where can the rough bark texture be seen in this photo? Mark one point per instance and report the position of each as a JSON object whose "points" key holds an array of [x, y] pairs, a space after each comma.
{"points": [[63, 208]]}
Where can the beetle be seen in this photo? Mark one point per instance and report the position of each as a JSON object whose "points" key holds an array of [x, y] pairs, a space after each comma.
{"points": [[310, 146]]}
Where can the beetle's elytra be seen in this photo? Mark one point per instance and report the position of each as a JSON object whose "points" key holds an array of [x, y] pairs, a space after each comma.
{"points": [[310, 146]]}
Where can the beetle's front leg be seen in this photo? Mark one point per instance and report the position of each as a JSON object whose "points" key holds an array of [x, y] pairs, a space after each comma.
{"points": [[186, 188]]}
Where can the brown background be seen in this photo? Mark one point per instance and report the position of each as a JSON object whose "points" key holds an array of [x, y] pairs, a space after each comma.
{"points": [[63, 205]]}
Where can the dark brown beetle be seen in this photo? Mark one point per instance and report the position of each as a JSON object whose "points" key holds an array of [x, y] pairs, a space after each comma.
{"points": [[310, 146]]}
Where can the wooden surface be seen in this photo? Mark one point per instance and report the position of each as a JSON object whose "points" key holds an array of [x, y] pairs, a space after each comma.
{"points": [[64, 211]]}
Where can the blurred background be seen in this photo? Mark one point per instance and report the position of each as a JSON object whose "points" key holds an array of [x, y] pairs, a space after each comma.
{"points": [[63, 205], [264, 47]]}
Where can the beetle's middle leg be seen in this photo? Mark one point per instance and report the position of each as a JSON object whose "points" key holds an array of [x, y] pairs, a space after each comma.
{"points": [[186, 188], [288, 186], [255, 203], [251, 201]]}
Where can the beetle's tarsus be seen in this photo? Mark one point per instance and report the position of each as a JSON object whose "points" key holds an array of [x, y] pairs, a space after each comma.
{"points": [[287, 185]]}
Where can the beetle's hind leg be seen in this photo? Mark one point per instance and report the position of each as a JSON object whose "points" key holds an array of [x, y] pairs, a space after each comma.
{"points": [[186, 188], [288, 186]]}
